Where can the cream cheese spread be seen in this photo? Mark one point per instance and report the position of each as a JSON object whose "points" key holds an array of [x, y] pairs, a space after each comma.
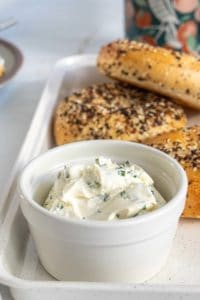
{"points": [[103, 190]]}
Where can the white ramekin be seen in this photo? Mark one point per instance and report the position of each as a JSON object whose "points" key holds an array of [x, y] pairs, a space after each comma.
{"points": [[131, 250]]}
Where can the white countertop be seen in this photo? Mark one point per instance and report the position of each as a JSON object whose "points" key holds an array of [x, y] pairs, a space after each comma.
{"points": [[46, 31]]}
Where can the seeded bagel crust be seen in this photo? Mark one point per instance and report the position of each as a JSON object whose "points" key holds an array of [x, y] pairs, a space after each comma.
{"points": [[164, 71], [115, 111], [184, 145]]}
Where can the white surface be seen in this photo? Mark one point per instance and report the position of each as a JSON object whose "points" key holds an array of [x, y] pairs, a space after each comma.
{"points": [[46, 31], [19, 264]]}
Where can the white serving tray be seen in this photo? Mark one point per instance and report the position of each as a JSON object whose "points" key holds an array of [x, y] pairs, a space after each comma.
{"points": [[20, 268]]}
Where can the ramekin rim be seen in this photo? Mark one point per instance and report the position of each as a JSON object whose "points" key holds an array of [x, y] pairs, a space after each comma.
{"points": [[104, 223]]}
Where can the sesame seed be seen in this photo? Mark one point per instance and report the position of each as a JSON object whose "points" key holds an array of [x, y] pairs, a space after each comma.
{"points": [[187, 152]]}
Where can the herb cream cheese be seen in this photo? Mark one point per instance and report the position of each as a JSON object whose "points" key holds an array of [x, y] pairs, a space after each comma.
{"points": [[103, 190]]}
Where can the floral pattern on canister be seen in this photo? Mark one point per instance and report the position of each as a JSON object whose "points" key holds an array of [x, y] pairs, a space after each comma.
{"points": [[174, 24]]}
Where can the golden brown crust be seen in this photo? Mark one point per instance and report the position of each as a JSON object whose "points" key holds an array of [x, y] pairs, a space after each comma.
{"points": [[115, 111], [164, 71], [184, 145], [2, 70]]}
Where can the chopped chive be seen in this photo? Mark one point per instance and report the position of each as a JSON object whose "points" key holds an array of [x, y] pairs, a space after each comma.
{"points": [[121, 172], [123, 194], [97, 161], [127, 163], [105, 197]]}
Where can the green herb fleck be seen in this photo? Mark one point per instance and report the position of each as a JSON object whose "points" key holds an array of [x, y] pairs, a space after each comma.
{"points": [[66, 172], [121, 172], [94, 184], [105, 197], [97, 184], [126, 164], [97, 161], [123, 194]]}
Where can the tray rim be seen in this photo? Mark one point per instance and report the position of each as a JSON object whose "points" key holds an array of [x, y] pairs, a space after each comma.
{"points": [[16, 282]]}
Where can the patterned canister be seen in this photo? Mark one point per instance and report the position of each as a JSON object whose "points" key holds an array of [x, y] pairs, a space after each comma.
{"points": [[173, 24]]}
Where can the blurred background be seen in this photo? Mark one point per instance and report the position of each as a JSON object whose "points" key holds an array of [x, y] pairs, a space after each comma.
{"points": [[173, 24], [45, 32]]}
